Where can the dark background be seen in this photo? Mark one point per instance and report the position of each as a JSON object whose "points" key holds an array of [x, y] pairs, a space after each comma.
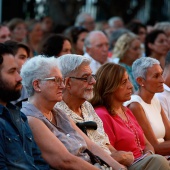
{"points": [[64, 12]]}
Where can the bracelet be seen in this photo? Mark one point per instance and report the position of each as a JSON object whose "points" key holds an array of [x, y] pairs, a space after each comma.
{"points": [[149, 151], [122, 169]]}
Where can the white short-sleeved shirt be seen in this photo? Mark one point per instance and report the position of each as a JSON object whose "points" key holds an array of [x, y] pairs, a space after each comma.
{"points": [[164, 99]]}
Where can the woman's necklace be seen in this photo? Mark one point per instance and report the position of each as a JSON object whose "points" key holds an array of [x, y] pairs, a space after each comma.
{"points": [[133, 129], [51, 116]]}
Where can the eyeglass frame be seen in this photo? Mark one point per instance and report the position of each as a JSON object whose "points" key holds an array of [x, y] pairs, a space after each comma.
{"points": [[85, 79], [57, 80]]}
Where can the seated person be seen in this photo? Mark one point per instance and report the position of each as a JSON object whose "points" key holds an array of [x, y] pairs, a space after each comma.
{"points": [[164, 97], [18, 150], [62, 143], [112, 88], [21, 54], [78, 75], [146, 107]]}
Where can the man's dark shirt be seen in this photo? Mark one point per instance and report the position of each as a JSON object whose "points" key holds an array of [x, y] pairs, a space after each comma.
{"points": [[18, 150]]}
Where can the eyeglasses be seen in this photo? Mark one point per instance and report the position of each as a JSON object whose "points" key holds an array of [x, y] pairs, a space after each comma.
{"points": [[58, 80], [87, 79]]}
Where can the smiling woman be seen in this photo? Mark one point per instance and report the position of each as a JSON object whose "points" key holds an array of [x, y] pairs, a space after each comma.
{"points": [[146, 107]]}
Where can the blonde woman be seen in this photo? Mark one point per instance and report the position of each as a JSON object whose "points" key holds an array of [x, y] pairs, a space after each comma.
{"points": [[128, 49]]}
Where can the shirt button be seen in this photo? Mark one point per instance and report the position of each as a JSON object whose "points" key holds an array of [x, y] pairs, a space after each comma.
{"points": [[80, 144], [68, 135]]}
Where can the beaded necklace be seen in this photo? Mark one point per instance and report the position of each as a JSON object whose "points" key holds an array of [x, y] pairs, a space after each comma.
{"points": [[132, 128]]}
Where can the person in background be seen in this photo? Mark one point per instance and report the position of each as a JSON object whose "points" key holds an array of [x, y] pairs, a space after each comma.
{"points": [[156, 45], [21, 52], [114, 36], [164, 26], [96, 47], [78, 75], [63, 144], [115, 23], [77, 36], [127, 49], [146, 107], [139, 29], [55, 45], [5, 33], [47, 24], [18, 29], [111, 90], [18, 149], [85, 20], [34, 36], [164, 97]]}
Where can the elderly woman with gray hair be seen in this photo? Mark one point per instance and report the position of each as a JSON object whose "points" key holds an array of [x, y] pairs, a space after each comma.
{"points": [[62, 143], [146, 107], [127, 49]]}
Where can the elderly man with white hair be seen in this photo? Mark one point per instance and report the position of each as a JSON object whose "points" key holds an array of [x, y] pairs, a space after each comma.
{"points": [[96, 47], [79, 82]]}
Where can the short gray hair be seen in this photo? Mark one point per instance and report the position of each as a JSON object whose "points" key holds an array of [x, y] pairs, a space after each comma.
{"points": [[90, 36], [164, 26], [69, 63], [81, 18], [140, 66], [38, 67], [112, 20]]}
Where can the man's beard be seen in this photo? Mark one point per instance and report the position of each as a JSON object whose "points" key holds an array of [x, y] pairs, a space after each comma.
{"points": [[7, 93], [88, 95]]}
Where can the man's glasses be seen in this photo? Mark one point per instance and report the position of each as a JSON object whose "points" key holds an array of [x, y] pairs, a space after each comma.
{"points": [[58, 80], [87, 79]]}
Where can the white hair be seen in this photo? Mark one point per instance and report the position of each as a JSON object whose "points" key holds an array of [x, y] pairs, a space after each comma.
{"points": [[141, 65], [70, 62], [38, 67]]}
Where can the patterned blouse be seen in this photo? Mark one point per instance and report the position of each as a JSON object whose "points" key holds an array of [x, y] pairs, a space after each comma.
{"points": [[98, 136]]}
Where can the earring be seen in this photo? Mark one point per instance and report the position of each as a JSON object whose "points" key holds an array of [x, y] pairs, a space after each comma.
{"points": [[39, 90], [142, 85]]}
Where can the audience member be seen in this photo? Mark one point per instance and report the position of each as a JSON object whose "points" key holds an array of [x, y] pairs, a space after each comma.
{"points": [[85, 20], [5, 33], [21, 53], [47, 25], [139, 29], [116, 23], [34, 37], [156, 46], [17, 147], [146, 107], [96, 47], [164, 97], [62, 143], [127, 49], [164, 26], [77, 36], [114, 36], [78, 75], [55, 45], [18, 29], [112, 88]]}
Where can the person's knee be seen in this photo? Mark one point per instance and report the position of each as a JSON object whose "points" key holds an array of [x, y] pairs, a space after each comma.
{"points": [[160, 161]]}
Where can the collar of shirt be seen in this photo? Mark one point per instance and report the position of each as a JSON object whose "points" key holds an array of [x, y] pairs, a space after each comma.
{"points": [[166, 87]]}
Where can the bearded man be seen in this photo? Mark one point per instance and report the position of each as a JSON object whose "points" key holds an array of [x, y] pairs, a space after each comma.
{"points": [[18, 150]]}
